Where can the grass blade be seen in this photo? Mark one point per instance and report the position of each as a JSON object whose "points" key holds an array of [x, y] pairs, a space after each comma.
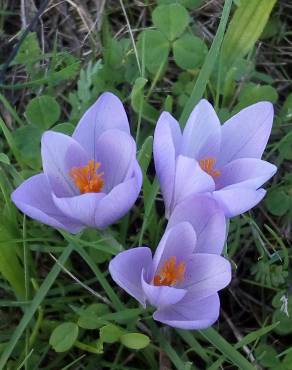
{"points": [[226, 349], [208, 65], [45, 287]]}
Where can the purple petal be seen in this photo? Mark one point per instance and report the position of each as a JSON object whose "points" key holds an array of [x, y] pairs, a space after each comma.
{"points": [[207, 219], [116, 151], [189, 313], [126, 269], [245, 135], [190, 179], [237, 200], [119, 201], [82, 208], [33, 197], [202, 134], [106, 114], [245, 172], [60, 153], [206, 274], [159, 296], [167, 138], [178, 241]]}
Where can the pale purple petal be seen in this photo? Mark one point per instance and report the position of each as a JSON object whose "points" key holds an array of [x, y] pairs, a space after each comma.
{"points": [[159, 296], [190, 179], [82, 208], [119, 201], [116, 152], [33, 197], [190, 313], [206, 274], [167, 138], [245, 172], [60, 153], [126, 269], [245, 135], [207, 219], [202, 134], [178, 241], [106, 114], [237, 200]]}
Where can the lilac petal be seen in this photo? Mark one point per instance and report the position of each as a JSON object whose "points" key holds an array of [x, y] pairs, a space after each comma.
{"points": [[33, 197], [190, 313], [190, 179], [245, 172], [245, 135], [81, 208], [160, 296], [60, 153], [202, 134], [167, 138], [206, 274], [178, 241], [119, 201], [207, 219], [237, 200], [116, 152], [106, 114], [126, 269]]}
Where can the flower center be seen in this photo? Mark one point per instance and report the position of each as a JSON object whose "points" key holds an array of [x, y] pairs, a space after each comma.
{"points": [[207, 165], [170, 273], [86, 177]]}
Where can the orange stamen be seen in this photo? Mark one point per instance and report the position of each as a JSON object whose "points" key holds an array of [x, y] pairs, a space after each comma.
{"points": [[170, 273], [207, 165], [86, 177]]}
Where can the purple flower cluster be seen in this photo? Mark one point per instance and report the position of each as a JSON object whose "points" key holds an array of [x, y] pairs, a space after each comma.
{"points": [[207, 173]]}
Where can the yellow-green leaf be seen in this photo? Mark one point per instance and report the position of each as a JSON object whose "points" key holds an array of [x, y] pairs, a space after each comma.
{"points": [[245, 28]]}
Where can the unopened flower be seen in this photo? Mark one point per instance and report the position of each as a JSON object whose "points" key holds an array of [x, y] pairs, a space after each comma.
{"points": [[207, 157], [89, 179], [183, 277]]}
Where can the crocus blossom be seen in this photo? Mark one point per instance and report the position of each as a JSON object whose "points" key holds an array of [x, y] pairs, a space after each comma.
{"points": [[183, 277], [89, 179], [207, 157]]}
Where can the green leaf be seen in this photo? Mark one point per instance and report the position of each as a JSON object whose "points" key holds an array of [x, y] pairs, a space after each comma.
{"points": [[10, 267], [171, 20], [43, 111], [277, 202], [154, 48], [90, 317], [65, 128], [64, 336], [4, 158], [245, 28], [135, 340], [110, 333], [27, 139], [189, 52], [253, 93], [285, 147], [267, 356], [139, 104], [29, 51]]}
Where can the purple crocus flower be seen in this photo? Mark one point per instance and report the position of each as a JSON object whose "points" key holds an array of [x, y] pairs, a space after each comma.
{"points": [[207, 157], [89, 179], [183, 277]]}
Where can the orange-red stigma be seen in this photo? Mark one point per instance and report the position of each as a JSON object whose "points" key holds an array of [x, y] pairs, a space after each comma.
{"points": [[207, 165], [170, 273], [86, 177]]}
